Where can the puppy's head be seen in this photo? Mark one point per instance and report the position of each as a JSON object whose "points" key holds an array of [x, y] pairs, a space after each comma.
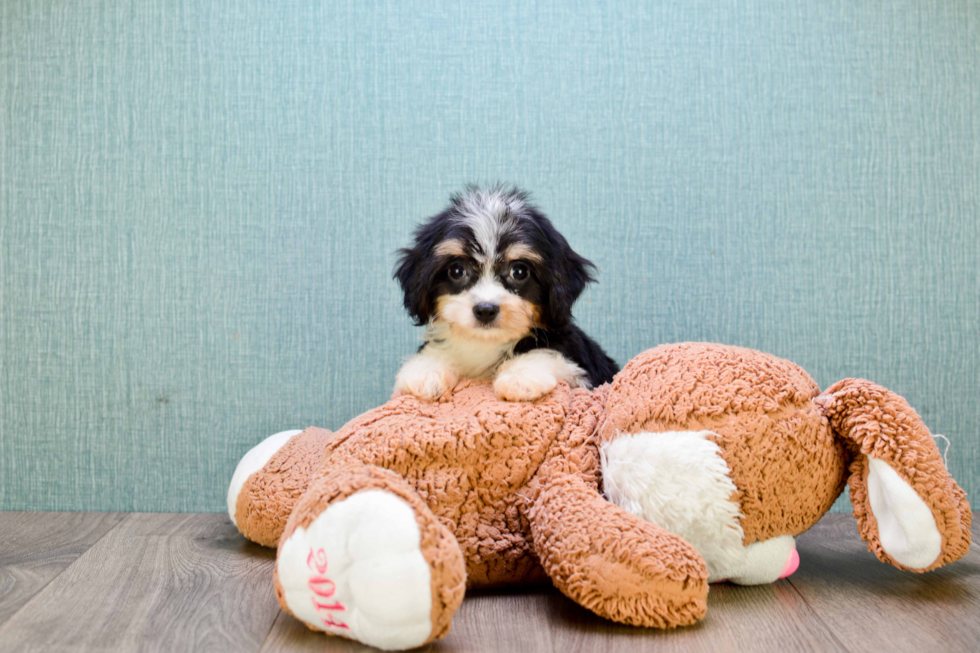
{"points": [[492, 267]]}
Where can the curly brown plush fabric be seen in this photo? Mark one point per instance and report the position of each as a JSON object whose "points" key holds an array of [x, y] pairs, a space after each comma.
{"points": [[512, 491], [599, 555], [611, 562], [269, 495], [517, 485], [785, 461], [470, 459], [439, 548], [876, 422]]}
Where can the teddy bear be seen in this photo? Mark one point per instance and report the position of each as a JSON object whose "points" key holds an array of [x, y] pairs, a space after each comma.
{"points": [[698, 463]]}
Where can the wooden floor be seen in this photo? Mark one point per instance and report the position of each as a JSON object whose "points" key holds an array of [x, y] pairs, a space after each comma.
{"points": [[164, 582]]}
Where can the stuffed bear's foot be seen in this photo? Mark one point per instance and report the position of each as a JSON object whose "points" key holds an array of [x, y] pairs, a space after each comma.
{"points": [[270, 479], [363, 558], [357, 570], [254, 461]]}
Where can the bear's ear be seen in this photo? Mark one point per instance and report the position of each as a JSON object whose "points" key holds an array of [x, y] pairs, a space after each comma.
{"points": [[908, 508], [570, 273]]}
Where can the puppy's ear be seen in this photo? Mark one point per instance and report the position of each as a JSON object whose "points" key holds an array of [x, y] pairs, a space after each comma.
{"points": [[569, 276], [408, 271], [415, 268]]}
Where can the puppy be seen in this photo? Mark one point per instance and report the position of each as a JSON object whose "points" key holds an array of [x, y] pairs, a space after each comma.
{"points": [[494, 282]]}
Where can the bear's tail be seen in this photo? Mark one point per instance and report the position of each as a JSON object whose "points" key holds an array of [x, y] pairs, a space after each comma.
{"points": [[909, 509]]}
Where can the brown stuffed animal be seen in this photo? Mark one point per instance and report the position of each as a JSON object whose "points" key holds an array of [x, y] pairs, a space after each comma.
{"points": [[698, 463]]}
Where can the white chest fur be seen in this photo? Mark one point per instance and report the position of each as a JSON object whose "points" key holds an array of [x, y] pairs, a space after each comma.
{"points": [[470, 358]]}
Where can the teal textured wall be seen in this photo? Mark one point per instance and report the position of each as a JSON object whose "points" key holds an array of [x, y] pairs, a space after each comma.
{"points": [[200, 202]]}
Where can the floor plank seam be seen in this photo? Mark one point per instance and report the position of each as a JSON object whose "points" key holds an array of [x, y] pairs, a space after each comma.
{"points": [[41, 589], [272, 627], [826, 626]]}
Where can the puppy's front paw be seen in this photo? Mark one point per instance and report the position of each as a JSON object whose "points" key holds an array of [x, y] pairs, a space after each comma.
{"points": [[524, 384], [425, 379]]}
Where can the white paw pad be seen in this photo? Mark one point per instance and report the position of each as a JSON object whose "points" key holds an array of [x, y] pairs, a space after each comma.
{"points": [[357, 570]]}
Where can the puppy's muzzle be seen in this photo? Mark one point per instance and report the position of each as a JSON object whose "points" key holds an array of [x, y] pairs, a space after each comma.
{"points": [[485, 312]]}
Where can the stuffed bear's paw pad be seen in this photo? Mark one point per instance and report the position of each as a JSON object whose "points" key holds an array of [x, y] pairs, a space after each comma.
{"points": [[768, 561], [524, 384], [357, 570]]}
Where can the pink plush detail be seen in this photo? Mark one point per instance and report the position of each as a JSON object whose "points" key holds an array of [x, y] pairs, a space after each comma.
{"points": [[792, 564]]}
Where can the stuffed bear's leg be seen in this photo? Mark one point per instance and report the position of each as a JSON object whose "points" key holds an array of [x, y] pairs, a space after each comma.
{"points": [[613, 563], [909, 509], [270, 479], [679, 481], [363, 557]]}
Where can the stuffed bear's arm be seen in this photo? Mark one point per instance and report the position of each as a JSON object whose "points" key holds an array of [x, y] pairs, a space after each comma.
{"points": [[614, 563]]}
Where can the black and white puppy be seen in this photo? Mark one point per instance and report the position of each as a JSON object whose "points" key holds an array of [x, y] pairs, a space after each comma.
{"points": [[494, 282]]}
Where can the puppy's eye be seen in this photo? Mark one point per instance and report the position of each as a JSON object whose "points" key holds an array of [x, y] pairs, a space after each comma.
{"points": [[519, 271], [456, 271]]}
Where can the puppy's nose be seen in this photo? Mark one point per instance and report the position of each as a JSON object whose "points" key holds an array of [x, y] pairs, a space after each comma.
{"points": [[485, 312]]}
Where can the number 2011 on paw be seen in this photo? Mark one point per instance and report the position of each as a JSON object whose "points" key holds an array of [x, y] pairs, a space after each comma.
{"points": [[323, 588]]}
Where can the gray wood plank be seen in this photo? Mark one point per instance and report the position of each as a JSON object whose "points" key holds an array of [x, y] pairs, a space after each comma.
{"points": [[767, 618], [764, 618], [487, 621], [516, 620], [290, 635], [191, 582], [36, 547], [158, 582], [873, 606]]}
